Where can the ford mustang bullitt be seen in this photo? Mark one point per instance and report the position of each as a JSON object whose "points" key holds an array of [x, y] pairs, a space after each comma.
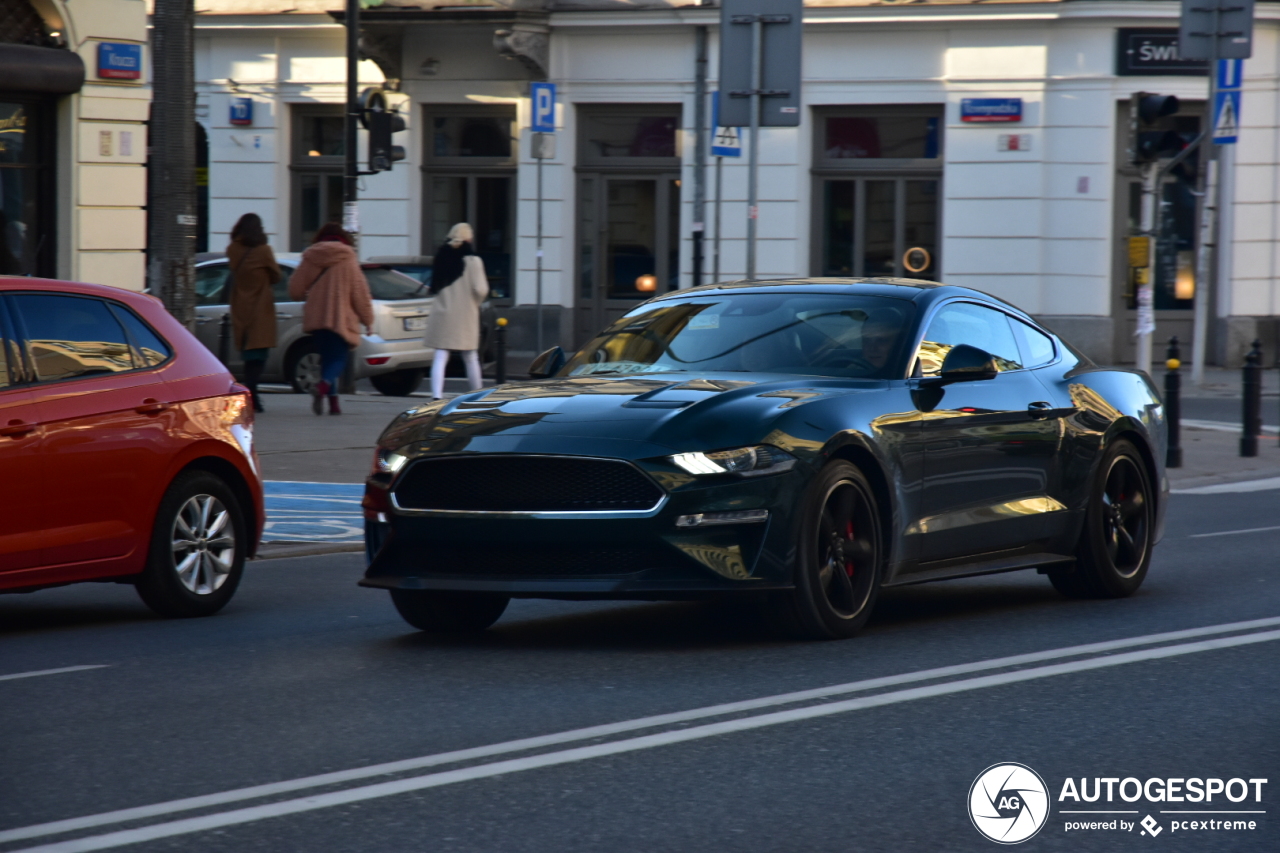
{"points": [[807, 442]]}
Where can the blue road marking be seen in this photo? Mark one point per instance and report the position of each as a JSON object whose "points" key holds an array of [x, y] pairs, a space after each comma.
{"points": [[313, 512]]}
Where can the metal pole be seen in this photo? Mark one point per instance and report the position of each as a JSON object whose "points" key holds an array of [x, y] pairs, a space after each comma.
{"points": [[715, 266], [1252, 414], [1150, 186], [700, 153], [1208, 208], [171, 162], [351, 168], [1173, 403], [753, 207], [538, 317]]}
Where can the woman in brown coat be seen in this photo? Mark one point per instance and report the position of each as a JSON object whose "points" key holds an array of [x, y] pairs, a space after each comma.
{"points": [[337, 298], [253, 312]]}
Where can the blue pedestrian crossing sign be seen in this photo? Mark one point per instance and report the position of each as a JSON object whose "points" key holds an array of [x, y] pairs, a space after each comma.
{"points": [[727, 141], [1226, 102]]}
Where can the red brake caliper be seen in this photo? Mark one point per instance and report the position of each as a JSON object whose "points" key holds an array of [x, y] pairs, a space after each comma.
{"points": [[848, 535]]}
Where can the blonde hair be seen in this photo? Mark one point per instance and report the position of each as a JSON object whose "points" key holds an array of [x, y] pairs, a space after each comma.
{"points": [[459, 234]]}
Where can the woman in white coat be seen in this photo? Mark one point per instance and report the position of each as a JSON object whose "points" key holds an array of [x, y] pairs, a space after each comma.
{"points": [[460, 287]]}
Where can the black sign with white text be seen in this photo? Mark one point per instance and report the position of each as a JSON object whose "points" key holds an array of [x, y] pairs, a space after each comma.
{"points": [[1154, 53]]}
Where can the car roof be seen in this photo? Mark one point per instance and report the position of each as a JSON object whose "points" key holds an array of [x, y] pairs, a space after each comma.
{"points": [[402, 260], [914, 289], [80, 287]]}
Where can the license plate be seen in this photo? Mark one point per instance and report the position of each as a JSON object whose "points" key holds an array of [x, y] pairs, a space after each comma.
{"points": [[415, 324]]}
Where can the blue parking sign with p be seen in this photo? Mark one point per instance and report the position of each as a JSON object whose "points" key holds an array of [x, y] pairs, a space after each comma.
{"points": [[543, 96]]}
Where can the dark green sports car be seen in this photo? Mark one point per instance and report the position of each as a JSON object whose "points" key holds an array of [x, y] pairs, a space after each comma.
{"points": [[805, 442]]}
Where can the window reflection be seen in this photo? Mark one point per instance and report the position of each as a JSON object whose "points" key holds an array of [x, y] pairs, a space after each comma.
{"points": [[966, 323], [632, 136], [471, 136], [70, 336], [901, 137]]}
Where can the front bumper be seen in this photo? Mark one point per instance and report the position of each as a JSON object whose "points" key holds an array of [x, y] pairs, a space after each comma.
{"points": [[601, 556]]}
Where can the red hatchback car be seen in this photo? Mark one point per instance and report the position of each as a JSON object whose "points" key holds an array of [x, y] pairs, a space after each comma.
{"points": [[126, 450]]}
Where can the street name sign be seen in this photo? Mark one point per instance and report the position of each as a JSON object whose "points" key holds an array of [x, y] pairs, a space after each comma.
{"points": [[991, 109]]}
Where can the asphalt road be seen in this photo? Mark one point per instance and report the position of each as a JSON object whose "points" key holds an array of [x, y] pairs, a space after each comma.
{"points": [[307, 674]]}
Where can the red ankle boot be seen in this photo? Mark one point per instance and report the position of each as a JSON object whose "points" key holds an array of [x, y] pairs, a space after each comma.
{"points": [[334, 407]]}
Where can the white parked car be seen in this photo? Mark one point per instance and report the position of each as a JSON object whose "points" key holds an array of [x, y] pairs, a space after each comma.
{"points": [[393, 357]]}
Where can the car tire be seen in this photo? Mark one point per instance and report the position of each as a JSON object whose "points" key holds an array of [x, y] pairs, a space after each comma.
{"points": [[1114, 549], [839, 558], [398, 383], [198, 509], [449, 612], [302, 367]]}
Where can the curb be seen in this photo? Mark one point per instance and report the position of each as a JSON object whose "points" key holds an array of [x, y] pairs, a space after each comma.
{"points": [[282, 550]]}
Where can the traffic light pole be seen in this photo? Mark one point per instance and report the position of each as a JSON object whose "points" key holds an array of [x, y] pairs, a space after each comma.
{"points": [[1208, 207], [1146, 307], [351, 170]]}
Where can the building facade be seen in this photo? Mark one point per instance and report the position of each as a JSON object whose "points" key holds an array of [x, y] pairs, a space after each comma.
{"points": [[73, 108], [887, 174]]}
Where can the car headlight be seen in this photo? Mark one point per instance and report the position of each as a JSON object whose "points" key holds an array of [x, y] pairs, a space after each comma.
{"points": [[388, 461], [743, 461]]}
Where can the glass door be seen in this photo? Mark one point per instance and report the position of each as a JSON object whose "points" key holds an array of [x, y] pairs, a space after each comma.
{"points": [[628, 245], [485, 201], [881, 227]]}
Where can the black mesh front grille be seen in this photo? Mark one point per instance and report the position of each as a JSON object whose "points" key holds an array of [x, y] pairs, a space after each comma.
{"points": [[525, 484], [544, 561]]}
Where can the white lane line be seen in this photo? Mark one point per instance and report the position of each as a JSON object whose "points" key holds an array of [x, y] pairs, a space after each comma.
{"points": [[57, 671], [607, 729], [1233, 532], [1262, 485], [1221, 426], [585, 753]]}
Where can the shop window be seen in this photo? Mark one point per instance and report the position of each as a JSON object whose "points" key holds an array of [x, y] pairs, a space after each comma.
{"points": [[24, 196], [645, 135], [877, 137], [471, 136]]}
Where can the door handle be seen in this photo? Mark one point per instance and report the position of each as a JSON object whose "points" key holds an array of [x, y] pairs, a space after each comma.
{"points": [[1039, 409], [200, 321], [151, 406], [280, 315], [17, 428]]}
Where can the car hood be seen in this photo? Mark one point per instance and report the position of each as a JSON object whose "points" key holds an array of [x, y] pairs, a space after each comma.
{"points": [[617, 416]]}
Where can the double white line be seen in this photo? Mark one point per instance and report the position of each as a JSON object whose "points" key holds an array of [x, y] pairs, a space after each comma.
{"points": [[1017, 669]]}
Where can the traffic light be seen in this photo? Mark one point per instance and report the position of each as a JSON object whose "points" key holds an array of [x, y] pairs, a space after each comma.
{"points": [[381, 122], [1147, 142]]}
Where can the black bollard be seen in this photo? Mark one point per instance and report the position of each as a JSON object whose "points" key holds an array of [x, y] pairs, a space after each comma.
{"points": [[500, 351], [1252, 401], [224, 341], [1173, 403]]}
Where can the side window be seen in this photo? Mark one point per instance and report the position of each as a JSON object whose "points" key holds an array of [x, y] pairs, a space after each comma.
{"points": [[966, 323], [211, 285], [4, 352], [280, 290], [1037, 347], [72, 336], [151, 349]]}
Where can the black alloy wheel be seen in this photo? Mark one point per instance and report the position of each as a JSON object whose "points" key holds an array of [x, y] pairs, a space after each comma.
{"points": [[198, 548], [302, 366], [839, 558], [449, 612], [1114, 551]]}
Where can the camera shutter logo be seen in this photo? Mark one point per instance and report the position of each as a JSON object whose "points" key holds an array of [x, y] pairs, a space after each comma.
{"points": [[1008, 803]]}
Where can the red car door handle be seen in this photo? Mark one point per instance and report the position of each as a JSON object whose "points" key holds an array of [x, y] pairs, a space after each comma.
{"points": [[151, 406], [17, 428]]}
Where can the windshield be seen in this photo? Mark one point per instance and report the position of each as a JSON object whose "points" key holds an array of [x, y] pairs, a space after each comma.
{"points": [[803, 333], [389, 284]]}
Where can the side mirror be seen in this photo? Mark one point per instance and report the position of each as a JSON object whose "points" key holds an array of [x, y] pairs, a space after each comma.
{"points": [[547, 364], [968, 364]]}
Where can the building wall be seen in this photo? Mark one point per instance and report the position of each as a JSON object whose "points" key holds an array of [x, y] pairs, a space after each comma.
{"points": [[102, 152], [1037, 227]]}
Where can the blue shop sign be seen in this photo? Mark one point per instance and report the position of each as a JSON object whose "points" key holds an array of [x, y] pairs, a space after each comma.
{"points": [[991, 109], [119, 61]]}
